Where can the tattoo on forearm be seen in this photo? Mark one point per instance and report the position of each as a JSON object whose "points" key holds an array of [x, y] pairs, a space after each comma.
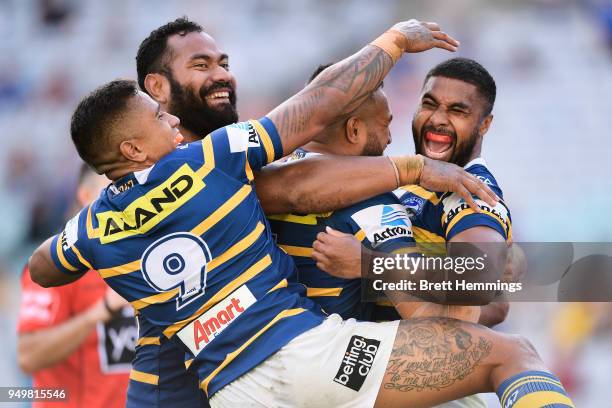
{"points": [[433, 353], [296, 117], [355, 78], [365, 70]]}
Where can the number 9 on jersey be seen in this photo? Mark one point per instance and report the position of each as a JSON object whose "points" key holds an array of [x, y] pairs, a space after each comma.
{"points": [[177, 261]]}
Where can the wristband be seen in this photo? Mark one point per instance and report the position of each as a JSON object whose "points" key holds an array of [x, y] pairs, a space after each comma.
{"points": [[409, 168], [397, 177], [390, 42]]}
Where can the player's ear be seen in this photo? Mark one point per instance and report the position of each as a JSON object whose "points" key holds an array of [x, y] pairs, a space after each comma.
{"points": [[355, 130], [132, 152], [485, 124], [158, 87]]}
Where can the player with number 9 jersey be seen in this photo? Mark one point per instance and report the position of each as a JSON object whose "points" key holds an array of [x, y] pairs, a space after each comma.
{"points": [[160, 238]]}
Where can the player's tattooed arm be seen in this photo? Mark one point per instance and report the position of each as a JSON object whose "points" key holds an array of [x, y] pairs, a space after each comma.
{"points": [[338, 90], [342, 87], [433, 354]]}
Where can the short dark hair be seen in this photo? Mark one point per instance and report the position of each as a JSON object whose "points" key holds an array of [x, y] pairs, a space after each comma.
{"points": [[468, 70], [323, 67], [152, 53], [317, 71], [93, 120]]}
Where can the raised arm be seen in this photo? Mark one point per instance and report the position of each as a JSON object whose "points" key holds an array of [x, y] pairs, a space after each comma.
{"points": [[342, 87]]}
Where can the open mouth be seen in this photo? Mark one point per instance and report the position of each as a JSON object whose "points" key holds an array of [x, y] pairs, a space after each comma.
{"points": [[436, 145], [178, 139], [218, 97]]}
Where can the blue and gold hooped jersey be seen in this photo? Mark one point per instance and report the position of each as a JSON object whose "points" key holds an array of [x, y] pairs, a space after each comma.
{"points": [[186, 242], [158, 377], [380, 223], [438, 217]]}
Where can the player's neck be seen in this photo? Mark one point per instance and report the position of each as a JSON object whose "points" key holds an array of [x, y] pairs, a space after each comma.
{"points": [[475, 153], [116, 173], [334, 147]]}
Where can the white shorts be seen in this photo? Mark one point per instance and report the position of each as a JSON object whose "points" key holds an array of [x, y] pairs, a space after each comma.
{"points": [[340, 363], [472, 401]]}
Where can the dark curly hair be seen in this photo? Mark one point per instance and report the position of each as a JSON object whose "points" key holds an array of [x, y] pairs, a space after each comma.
{"points": [[94, 119], [468, 70], [153, 55]]}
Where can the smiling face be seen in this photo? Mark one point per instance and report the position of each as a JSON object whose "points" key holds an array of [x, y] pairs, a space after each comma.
{"points": [[202, 89], [152, 133], [450, 121]]}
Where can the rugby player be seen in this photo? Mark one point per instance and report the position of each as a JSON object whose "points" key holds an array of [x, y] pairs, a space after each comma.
{"points": [[452, 118], [449, 124], [364, 132], [182, 69], [193, 273]]}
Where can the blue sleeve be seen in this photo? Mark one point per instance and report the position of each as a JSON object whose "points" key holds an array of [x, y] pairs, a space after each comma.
{"points": [[380, 223], [485, 219], [457, 216], [68, 247], [242, 148]]}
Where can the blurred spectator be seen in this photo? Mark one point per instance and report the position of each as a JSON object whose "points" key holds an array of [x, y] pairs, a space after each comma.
{"points": [[79, 337], [55, 12]]}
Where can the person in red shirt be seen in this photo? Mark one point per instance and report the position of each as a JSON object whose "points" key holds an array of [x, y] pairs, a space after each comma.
{"points": [[79, 337]]}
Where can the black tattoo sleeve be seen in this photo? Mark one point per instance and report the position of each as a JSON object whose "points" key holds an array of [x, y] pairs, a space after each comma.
{"points": [[433, 353], [335, 92]]}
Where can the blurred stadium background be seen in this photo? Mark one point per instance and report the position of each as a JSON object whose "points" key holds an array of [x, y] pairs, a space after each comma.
{"points": [[549, 144]]}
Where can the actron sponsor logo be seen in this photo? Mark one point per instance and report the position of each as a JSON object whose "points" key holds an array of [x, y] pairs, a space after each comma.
{"points": [[396, 224], [499, 211], [199, 333], [383, 222], [390, 232], [253, 138]]}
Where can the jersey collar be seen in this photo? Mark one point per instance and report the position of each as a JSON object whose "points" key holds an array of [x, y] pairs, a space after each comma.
{"points": [[130, 180], [478, 160]]}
